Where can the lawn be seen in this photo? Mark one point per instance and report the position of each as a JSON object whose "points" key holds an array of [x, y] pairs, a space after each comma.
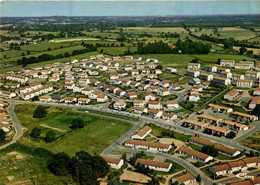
{"points": [[156, 131], [195, 147], [110, 114], [91, 138]]}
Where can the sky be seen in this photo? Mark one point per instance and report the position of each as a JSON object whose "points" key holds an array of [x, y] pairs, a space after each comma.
{"points": [[11, 8]]}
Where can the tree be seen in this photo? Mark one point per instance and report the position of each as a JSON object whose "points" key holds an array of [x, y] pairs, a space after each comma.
{"points": [[50, 136], [39, 112], [210, 150], [2, 135], [77, 123], [198, 178], [60, 164], [231, 135], [28, 52], [242, 50], [35, 132], [256, 110]]}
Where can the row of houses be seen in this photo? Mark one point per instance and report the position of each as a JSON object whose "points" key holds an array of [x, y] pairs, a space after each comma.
{"points": [[223, 122], [218, 108], [193, 154], [36, 92], [231, 167], [148, 145], [5, 124], [221, 148], [225, 78]]}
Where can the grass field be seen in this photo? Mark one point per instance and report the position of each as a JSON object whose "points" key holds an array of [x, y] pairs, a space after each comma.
{"points": [[97, 134], [156, 131], [252, 141]]}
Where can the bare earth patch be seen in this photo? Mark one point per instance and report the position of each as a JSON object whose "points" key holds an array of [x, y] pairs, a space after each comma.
{"points": [[134, 177], [53, 128], [169, 141], [16, 154]]}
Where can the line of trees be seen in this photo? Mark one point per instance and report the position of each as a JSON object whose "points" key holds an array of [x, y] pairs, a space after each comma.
{"points": [[47, 57], [186, 47], [84, 168]]}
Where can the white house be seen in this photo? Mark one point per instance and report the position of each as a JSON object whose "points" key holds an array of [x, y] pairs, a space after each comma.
{"points": [[142, 133], [193, 66], [114, 162], [244, 83], [155, 165], [192, 73], [230, 63], [119, 105], [231, 94], [154, 105], [185, 179]]}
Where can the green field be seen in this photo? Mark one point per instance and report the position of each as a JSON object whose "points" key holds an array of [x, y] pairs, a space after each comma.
{"points": [[156, 131], [96, 136]]}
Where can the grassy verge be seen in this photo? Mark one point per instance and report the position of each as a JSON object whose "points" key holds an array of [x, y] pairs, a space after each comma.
{"points": [[157, 131], [109, 114], [252, 141]]}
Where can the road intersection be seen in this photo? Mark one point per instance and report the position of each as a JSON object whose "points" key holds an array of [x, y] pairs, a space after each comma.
{"points": [[117, 145]]}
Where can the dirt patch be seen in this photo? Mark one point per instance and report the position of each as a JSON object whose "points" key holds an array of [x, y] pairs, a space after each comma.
{"points": [[169, 141], [53, 128], [245, 94], [134, 177], [16, 154], [10, 178]]}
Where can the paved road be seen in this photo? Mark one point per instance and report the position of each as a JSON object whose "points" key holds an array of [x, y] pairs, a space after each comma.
{"points": [[116, 145], [182, 162], [17, 125]]}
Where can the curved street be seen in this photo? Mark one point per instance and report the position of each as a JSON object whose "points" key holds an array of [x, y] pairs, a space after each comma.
{"points": [[137, 125]]}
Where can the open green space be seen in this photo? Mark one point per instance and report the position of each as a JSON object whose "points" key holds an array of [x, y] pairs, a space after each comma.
{"points": [[157, 131], [97, 134], [110, 114]]}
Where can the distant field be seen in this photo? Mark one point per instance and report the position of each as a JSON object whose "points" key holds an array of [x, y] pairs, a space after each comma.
{"points": [[4, 69], [236, 33], [228, 32], [52, 52], [117, 50], [155, 30], [74, 39], [97, 134], [255, 50], [252, 141]]}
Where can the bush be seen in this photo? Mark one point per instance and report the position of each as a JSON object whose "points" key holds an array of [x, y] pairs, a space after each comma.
{"points": [[2, 135], [40, 112], [35, 132], [50, 136], [77, 123]]}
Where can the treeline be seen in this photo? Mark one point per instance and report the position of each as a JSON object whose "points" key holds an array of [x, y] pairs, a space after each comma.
{"points": [[185, 47], [47, 57], [84, 168], [228, 43], [191, 47]]}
